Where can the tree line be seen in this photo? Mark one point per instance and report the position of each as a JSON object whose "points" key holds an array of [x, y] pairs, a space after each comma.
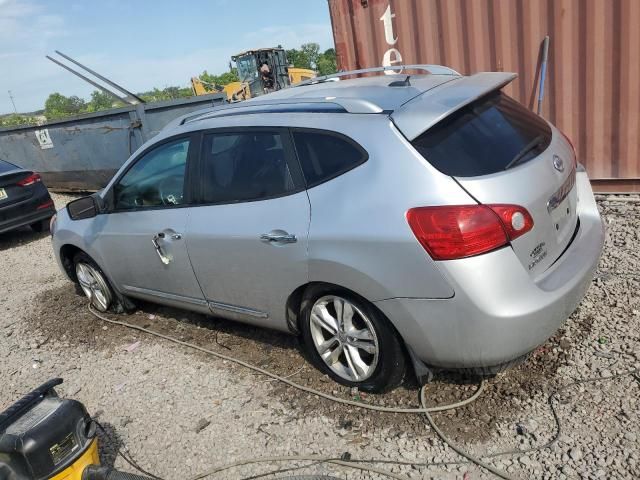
{"points": [[59, 106]]}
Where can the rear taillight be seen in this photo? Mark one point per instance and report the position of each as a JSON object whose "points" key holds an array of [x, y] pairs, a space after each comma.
{"points": [[459, 231], [515, 220], [30, 180], [47, 204]]}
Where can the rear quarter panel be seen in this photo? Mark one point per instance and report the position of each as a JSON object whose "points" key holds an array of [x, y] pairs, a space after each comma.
{"points": [[359, 237]]}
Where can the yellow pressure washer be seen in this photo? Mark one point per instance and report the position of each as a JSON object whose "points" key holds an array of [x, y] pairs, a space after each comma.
{"points": [[45, 437]]}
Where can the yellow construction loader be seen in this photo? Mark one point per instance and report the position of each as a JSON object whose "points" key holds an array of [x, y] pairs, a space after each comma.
{"points": [[236, 91], [259, 71]]}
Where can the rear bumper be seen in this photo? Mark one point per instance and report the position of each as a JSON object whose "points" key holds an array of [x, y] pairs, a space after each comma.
{"points": [[499, 312], [26, 212]]}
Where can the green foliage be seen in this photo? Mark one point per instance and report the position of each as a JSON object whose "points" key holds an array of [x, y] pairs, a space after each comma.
{"points": [[326, 63], [102, 101], [300, 58], [168, 93], [311, 51], [59, 106], [309, 56], [17, 120]]}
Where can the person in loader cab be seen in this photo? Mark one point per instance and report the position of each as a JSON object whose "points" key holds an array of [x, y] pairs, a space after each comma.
{"points": [[267, 77]]}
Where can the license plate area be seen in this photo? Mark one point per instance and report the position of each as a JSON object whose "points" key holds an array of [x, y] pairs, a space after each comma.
{"points": [[561, 208], [562, 214], [3, 194]]}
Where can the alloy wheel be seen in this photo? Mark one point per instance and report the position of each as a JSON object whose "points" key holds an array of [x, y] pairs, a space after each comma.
{"points": [[94, 286], [344, 337]]}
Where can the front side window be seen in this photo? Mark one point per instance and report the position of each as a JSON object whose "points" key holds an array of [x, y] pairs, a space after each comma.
{"points": [[325, 155], [247, 68], [155, 180], [245, 166]]}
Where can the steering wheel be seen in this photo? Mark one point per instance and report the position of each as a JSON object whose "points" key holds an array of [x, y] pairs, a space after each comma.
{"points": [[171, 190]]}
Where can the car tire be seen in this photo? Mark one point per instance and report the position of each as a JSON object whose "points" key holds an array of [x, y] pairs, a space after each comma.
{"points": [[365, 352], [93, 282], [41, 226]]}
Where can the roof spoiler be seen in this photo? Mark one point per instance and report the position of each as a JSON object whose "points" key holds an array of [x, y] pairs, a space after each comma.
{"points": [[424, 111]]}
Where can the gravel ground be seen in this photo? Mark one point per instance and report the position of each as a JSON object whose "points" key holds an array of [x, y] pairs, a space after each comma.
{"points": [[180, 412]]}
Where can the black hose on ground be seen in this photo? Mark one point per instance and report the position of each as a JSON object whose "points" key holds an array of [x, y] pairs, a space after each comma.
{"points": [[94, 472]]}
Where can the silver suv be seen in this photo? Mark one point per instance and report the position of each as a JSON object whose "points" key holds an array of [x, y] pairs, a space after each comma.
{"points": [[423, 220]]}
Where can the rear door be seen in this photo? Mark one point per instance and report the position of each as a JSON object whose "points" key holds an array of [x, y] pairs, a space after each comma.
{"points": [[500, 152], [248, 238]]}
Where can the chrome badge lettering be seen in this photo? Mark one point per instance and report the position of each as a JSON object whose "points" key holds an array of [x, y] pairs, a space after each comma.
{"points": [[537, 254]]}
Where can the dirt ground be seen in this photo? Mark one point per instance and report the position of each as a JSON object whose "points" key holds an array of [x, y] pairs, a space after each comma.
{"points": [[180, 412]]}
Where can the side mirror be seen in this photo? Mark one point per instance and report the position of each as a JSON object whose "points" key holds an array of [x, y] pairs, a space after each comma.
{"points": [[85, 207]]}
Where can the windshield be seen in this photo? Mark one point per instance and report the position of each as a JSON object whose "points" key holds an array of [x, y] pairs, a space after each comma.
{"points": [[247, 68]]}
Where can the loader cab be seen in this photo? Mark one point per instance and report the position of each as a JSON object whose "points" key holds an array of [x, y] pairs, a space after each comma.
{"points": [[263, 71]]}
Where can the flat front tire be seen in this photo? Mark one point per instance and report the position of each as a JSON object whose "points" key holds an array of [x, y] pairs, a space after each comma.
{"points": [[93, 282], [346, 337]]}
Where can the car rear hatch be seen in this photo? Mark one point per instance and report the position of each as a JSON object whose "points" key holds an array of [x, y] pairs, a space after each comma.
{"points": [[502, 153]]}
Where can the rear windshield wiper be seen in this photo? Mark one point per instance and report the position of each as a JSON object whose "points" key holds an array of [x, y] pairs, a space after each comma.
{"points": [[535, 143]]}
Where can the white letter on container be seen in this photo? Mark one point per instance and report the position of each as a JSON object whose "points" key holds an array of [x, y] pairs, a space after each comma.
{"points": [[388, 26], [391, 57]]}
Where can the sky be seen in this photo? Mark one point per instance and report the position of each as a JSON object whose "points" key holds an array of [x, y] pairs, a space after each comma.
{"points": [[141, 44]]}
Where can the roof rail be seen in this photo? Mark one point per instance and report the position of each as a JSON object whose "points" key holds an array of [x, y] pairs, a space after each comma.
{"points": [[434, 69], [288, 105]]}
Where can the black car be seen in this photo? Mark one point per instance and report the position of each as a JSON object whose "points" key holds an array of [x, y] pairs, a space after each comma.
{"points": [[24, 199]]}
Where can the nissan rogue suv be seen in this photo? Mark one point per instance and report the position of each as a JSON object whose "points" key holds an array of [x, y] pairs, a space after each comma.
{"points": [[389, 220]]}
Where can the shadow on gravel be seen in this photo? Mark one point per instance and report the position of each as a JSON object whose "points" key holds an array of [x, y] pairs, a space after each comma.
{"points": [[20, 237], [109, 442], [62, 315]]}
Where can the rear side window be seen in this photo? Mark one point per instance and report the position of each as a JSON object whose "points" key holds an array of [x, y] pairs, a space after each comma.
{"points": [[487, 136], [244, 166], [325, 155]]}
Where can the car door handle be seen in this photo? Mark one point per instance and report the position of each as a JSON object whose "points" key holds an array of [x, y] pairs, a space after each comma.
{"points": [[165, 259], [278, 238], [173, 236]]}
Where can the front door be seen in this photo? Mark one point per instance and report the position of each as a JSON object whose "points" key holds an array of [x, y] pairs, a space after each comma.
{"points": [[143, 239], [248, 239]]}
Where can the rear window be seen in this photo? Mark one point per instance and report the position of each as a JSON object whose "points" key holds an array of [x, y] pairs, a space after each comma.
{"points": [[325, 155], [6, 166], [487, 136]]}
